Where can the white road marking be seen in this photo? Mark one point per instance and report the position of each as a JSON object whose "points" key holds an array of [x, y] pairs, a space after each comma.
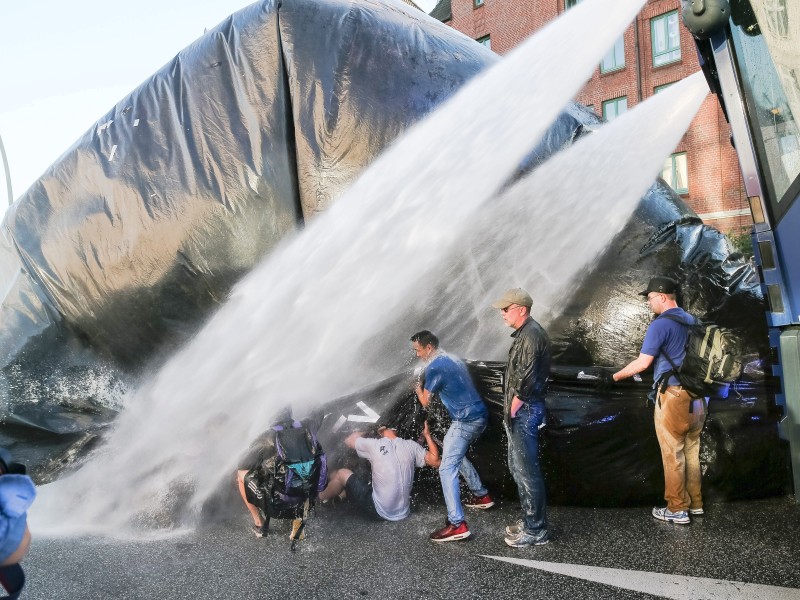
{"points": [[677, 587]]}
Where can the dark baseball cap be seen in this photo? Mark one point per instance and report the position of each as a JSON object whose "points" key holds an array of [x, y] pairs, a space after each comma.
{"points": [[661, 285]]}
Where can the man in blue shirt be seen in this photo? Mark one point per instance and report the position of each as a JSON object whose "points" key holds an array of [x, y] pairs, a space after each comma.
{"points": [[448, 377], [679, 416]]}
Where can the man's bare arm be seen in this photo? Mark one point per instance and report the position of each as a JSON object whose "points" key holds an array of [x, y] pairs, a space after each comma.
{"points": [[423, 395], [432, 458], [635, 366], [350, 440]]}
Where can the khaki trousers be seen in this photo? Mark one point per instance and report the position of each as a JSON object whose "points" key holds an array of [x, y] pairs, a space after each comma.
{"points": [[678, 432]]}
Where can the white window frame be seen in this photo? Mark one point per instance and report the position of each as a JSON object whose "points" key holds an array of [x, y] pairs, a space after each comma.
{"points": [[616, 102], [665, 38], [676, 168]]}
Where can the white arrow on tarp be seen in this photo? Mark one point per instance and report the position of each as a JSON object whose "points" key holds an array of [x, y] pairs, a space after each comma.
{"points": [[676, 587], [369, 416]]}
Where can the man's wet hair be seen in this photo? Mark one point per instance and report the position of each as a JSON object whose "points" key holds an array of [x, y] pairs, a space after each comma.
{"points": [[425, 338]]}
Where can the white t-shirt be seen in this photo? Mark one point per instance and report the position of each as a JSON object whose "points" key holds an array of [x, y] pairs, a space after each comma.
{"points": [[393, 462]]}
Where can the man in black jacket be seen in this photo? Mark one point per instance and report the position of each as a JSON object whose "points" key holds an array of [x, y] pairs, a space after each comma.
{"points": [[524, 388]]}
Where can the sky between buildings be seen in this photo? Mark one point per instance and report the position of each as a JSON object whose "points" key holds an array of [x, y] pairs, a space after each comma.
{"points": [[63, 65]]}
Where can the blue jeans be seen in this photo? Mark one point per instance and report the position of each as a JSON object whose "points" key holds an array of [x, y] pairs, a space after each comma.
{"points": [[523, 462], [454, 450]]}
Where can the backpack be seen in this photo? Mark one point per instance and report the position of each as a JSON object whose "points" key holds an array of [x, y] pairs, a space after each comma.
{"points": [[712, 362], [286, 485]]}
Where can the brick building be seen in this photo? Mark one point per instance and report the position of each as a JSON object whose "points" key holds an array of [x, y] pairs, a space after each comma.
{"points": [[653, 52]]}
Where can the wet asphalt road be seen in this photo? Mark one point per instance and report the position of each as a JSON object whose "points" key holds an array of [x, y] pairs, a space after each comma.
{"points": [[345, 556]]}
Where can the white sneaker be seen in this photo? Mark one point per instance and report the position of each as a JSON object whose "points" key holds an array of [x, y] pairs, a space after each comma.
{"points": [[696, 511], [664, 514]]}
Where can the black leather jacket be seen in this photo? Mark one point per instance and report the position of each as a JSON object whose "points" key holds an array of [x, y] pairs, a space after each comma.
{"points": [[528, 366]]}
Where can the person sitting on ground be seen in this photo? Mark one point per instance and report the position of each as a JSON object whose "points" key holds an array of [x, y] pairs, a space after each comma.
{"points": [[392, 459]]}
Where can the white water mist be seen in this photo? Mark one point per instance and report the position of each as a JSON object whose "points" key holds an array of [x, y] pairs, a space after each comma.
{"points": [[299, 327]]}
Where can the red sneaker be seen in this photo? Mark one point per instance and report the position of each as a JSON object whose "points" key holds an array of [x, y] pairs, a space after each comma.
{"points": [[482, 502], [451, 533]]}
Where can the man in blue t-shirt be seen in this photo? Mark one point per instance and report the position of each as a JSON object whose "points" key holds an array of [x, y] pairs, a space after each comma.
{"points": [[679, 416], [448, 377]]}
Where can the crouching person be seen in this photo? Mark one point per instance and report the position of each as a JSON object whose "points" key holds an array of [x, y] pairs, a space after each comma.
{"points": [[282, 475], [392, 460], [261, 450]]}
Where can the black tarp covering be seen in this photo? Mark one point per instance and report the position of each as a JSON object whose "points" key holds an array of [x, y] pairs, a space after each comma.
{"points": [[603, 321], [119, 252]]}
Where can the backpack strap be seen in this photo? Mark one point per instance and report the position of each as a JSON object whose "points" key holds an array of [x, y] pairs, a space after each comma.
{"points": [[297, 533]]}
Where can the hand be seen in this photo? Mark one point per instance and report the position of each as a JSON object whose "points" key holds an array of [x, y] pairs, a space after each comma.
{"points": [[605, 382], [423, 396], [516, 405]]}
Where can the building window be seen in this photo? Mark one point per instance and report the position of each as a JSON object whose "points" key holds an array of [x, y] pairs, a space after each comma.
{"points": [[570, 3], [614, 108], [485, 41], [676, 173], [661, 88], [615, 59], [666, 39], [477, 3]]}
